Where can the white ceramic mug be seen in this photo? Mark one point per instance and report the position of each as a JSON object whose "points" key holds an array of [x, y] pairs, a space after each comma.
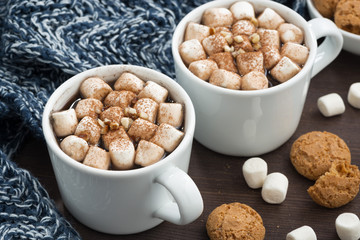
{"points": [[249, 123], [130, 201]]}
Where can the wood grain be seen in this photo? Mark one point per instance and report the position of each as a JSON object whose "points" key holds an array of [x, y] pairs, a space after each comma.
{"points": [[220, 179]]}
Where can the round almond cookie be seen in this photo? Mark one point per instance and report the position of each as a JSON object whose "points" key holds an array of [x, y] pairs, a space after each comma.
{"points": [[312, 153], [337, 187], [326, 7], [347, 15], [235, 221]]}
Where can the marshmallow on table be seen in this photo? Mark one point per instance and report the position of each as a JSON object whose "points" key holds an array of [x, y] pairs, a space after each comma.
{"points": [[112, 114], [154, 91], [75, 147], [191, 50], [217, 17], [148, 153], [255, 171], [245, 27], [203, 68], [254, 81], [224, 60], [242, 10], [275, 188], [112, 135], [130, 82], [88, 107], [171, 113], [121, 98], [196, 31], [269, 37], [167, 137], [285, 69], [331, 105], [214, 44], [122, 153], [94, 87], [142, 129], [225, 79], [270, 19], [250, 61], [97, 158], [147, 109], [348, 226], [271, 56], [64, 122], [290, 33], [88, 129], [302, 233], [296, 52], [353, 96]]}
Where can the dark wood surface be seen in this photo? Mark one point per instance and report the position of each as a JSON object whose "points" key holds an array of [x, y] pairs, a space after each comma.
{"points": [[220, 179]]}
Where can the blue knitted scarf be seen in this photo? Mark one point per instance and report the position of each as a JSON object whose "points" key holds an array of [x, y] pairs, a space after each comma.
{"points": [[43, 43]]}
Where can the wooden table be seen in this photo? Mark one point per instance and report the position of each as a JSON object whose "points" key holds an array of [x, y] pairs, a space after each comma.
{"points": [[220, 179]]}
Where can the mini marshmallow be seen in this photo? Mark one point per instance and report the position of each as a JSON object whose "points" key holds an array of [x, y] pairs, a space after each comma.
{"points": [[245, 27], [74, 147], [217, 17], [353, 96], [331, 105], [64, 122], [167, 137], [171, 113], [250, 61], [225, 79], [302, 233], [154, 91], [130, 82], [290, 33], [254, 81], [275, 188], [255, 171], [94, 87], [121, 98], [285, 69], [148, 153], [203, 68], [269, 37], [242, 10], [147, 109], [89, 130], [112, 135], [88, 107], [270, 19], [112, 114], [122, 153], [214, 44], [224, 60], [348, 226], [196, 31], [97, 158], [271, 56], [142, 129], [191, 50], [296, 52]]}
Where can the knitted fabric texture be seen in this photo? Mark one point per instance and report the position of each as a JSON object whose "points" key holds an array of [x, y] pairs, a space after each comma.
{"points": [[43, 43]]}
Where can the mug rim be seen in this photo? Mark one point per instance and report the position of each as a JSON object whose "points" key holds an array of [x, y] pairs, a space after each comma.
{"points": [[309, 39], [50, 137]]}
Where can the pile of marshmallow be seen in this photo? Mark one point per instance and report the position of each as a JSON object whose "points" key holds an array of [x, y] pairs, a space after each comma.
{"points": [[231, 48], [274, 189], [133, 125]]}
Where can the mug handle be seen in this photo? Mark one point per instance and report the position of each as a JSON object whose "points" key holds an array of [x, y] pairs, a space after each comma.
{"points": [[188, 204], [330, 48]]}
